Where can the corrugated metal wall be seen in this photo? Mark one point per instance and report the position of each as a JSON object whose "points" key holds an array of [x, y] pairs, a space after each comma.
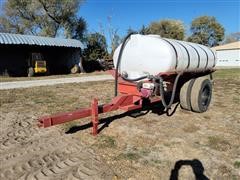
{"points": [[228, 58], [19, 39]]}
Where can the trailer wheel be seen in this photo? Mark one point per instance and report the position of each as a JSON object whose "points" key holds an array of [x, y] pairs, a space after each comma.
{"points": [[75, 69], [201, 94], [185, 94]]}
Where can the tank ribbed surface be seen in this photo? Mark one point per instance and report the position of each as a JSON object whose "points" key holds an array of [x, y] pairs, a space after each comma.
{"points": [[153, 55]]}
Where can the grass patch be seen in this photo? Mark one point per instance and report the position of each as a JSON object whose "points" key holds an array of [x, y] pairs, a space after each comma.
{"points": [[236, 164], [129, 156], [6, 100], [105, 141], [58, 98], [218, 143], [144, 152], [236, 99], [134, 155], [227, 73], [156, 161]]}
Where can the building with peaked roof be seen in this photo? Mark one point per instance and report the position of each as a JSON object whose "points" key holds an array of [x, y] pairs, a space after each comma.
{"points": [[60, 54], [228, 55]]}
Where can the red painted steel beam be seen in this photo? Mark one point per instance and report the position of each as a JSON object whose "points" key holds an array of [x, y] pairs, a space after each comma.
{"points": [[60, 118], [94, 112], [117, 103]]}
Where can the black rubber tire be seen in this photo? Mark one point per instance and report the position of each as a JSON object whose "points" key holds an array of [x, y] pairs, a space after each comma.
{"points": [[185, 93], [75, 69], [201, 94], [30, 72]]}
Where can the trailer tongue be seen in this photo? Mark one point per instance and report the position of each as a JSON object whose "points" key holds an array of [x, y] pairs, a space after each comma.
{"points": [[133, 88], [124, 102]]}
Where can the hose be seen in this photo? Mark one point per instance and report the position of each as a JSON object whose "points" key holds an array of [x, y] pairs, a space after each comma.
{"points": [[168, 106], [136, 79], [119, 61]]}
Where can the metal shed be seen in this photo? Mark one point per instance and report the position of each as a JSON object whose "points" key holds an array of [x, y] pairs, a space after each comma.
{"points": [[228, 55], [61, 54]]}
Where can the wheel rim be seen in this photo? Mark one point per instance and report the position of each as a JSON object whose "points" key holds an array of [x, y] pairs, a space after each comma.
{"points": [[206, 96]]}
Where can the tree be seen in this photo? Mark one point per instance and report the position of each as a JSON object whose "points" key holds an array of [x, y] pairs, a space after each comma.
{"points": [[76, 29], [43, 17], [167, 28], [233, 37], [207, 31], [115, 39], [130, 30], [96, 47], [95, 51], [144, 30]]}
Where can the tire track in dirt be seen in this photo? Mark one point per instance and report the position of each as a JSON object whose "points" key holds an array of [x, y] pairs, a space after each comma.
{"points": [[29, 153], [57, 170], [56, 164], [19, 133], [33, 148]]}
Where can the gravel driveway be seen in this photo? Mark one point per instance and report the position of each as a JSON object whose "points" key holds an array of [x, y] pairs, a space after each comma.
{"points": [[47, 82]]}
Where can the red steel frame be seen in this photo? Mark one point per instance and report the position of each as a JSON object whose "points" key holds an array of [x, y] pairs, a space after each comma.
{"points": [[129, 99], [125, 102]]}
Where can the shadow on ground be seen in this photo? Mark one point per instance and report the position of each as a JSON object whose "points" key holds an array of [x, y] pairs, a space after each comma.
{"points": [[196, 166], [156, 108]]}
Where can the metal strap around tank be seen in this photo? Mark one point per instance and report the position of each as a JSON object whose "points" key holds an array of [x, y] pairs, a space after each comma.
{"points": [[174, 51], [187, 53], [197, 54], [205, 53], [214, 63]]}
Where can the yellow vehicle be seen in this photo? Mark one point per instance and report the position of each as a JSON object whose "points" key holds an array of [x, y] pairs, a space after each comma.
{"points": [[36, 64]]}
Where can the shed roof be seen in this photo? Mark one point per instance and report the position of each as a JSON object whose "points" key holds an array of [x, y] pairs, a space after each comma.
{"points": [[229, 46], [19, 39]]}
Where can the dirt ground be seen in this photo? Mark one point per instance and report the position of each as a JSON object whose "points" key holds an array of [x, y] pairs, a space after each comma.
{"points": [[152, 146]]}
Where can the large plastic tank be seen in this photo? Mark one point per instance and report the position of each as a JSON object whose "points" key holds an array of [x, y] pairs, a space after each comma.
{"points": [[151, 54]]}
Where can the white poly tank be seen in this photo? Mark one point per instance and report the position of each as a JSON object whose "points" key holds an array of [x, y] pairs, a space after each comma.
{"points": [[151, 54]]}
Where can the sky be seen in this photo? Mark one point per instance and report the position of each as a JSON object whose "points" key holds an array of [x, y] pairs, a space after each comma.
{"points": [[135, 13]]}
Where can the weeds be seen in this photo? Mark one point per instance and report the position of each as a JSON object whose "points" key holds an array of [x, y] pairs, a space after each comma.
{"points": [[236, 99], [156, 161], [144, 152], [134, 155], [226, 73], [106, 142], [129, 156], [218, 143], [236, 164]]}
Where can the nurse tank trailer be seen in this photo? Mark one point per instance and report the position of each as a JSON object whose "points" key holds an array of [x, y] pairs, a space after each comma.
{"points": [[148, 70]]}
